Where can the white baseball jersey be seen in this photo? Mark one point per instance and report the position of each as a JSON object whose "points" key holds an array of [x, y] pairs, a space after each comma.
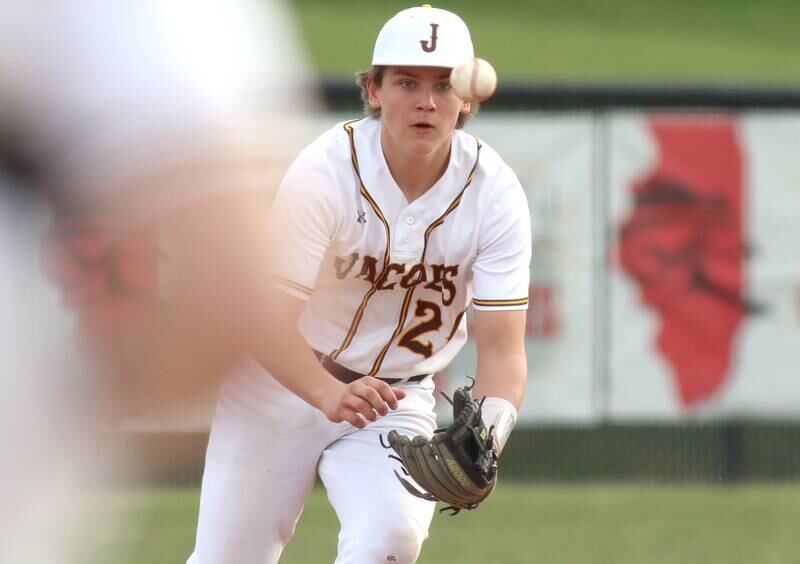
{"points": [[387, 282]]}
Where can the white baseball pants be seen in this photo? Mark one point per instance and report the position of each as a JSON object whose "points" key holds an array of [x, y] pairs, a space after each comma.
{"points": [[265, 449]]}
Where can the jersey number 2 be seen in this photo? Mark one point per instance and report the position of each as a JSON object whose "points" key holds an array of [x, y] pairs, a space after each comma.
{"points": [[409, 340]]}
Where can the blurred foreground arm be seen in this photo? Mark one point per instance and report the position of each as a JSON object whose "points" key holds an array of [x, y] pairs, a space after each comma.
{"points": [[164, 305], [159, 157]]}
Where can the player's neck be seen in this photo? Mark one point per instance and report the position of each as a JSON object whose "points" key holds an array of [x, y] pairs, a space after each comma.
{"points": [[416, 174]]}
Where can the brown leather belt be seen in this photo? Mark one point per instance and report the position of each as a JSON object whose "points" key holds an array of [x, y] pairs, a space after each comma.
{"points": [[346, 375]]}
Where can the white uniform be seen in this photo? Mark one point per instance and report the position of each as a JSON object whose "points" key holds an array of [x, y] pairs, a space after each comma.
{"points": [[387, 283], [98, 95]]}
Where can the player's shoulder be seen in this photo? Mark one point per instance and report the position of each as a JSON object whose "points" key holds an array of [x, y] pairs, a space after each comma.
{"points": [[492, 172], [364, 125], [333, 145], [341, 132], [325, 164]]}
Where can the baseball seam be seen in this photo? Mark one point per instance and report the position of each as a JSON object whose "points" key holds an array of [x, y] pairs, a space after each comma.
{"points": [[473, 83]]}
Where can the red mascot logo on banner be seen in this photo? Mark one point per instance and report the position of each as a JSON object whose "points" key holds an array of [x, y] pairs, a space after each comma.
{"points": [[684, 245]]}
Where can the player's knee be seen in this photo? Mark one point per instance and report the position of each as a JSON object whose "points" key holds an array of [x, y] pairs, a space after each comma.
{"points": [[397, 544]]}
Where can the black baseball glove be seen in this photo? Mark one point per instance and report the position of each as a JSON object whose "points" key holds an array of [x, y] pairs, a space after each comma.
{"points": [[458, 465]]}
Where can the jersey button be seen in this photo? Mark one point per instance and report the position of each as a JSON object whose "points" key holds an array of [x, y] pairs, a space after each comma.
{"points": [[410, 220]]}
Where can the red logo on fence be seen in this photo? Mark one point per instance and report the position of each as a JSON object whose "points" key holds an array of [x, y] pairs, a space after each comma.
{"points": [[684, 246]]}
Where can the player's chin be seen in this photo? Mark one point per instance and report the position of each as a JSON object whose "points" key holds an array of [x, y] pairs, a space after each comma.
{"points": [[424, 145]]}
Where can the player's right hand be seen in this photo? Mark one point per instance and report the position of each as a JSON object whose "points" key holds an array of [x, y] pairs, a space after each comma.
{"points": [[361, 401]]}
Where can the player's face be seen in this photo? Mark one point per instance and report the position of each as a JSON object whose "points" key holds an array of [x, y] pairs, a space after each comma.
{"points": [[418, 108]]}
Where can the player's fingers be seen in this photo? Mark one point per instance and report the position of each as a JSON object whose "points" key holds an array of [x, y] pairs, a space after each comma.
{"points": [[368, 392], [391, 395], [353, 418], [342, 413], [358, 405], [388, 394]]}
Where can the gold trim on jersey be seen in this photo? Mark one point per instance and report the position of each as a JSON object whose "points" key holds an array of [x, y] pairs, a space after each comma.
{"points": [[500, 303], [456, 323], [348, 127], [376, 366], [294, 285]]}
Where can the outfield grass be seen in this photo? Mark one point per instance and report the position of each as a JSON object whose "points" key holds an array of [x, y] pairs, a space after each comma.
{"points": [[739, 41], [521, 524]]}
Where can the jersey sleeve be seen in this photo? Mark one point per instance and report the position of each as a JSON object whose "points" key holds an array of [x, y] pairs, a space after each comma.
{"points": [[302, 224], [501, 271]]}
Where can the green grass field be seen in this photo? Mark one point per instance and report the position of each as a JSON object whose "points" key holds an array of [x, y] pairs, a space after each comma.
{"points": [[721, 41], [547, 524]]}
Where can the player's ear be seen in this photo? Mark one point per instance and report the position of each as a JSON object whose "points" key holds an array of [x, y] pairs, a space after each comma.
{"points": [[466, 108], [373, 94]]}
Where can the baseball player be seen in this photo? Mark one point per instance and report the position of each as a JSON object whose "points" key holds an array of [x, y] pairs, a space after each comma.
{"points": [[391, 227]]}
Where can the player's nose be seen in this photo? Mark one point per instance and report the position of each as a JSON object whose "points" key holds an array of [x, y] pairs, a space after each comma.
{"points": [[425, 99]]}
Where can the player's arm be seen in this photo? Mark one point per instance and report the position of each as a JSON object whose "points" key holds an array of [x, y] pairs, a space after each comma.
{"points": [[165, 304], [501, 276], [502, 369], [302, 225], [291, 361], [211, 304], [160, 157], [502, 366]]}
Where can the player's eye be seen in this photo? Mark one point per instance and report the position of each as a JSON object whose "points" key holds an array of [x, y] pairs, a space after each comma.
{"points": [[443, 86], [405, 83]]}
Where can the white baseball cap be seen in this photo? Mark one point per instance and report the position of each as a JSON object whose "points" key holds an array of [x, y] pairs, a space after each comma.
{"points": [[423, 37]]}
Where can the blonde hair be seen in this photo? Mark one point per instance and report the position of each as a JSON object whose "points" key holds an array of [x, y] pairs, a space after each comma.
{"points": [[375, 74]]}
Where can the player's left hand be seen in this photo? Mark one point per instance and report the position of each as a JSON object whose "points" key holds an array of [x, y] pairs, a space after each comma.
{"points": [[361, 401]]}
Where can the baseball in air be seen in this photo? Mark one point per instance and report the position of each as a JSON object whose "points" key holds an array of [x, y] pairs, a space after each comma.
{"points": [[474, 80]]}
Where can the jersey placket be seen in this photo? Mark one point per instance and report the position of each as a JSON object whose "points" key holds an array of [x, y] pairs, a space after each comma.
{"points": [[408, 240], [425, 237]]}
